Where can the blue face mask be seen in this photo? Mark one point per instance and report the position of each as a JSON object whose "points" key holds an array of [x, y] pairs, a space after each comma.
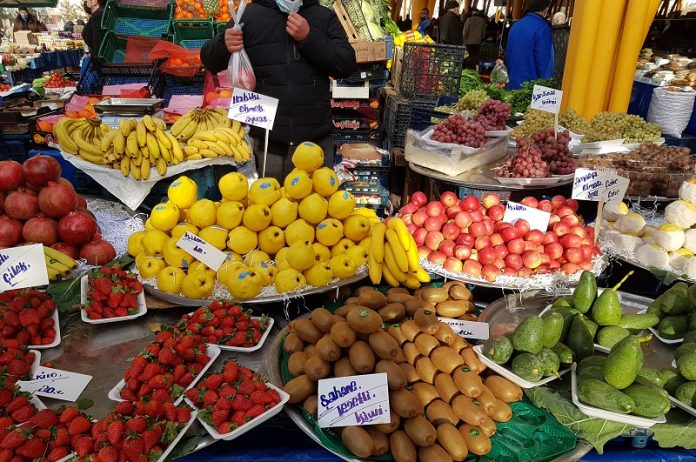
{"points": [[24, 16], [289, 6]]}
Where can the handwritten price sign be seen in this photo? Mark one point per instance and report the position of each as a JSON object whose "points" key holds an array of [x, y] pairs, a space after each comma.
{"points": [[537, 219], [202, 250], [22, 267], [599, 185], [253, 108], [468, 329], [57, 384], [353, 400], [546, 99]]}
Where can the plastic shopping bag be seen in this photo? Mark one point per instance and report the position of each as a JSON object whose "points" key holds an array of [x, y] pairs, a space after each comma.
{"points": [[499, 74], [239, 70]]}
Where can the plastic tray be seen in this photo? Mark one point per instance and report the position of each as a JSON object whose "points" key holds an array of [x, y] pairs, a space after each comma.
{"points": [[255, 422], [249, 349], [180, 435], [212, 352], [37, 362], [665, 340], [548, 181], [639, 422], [142, 307], [56, 342], [499, 133], [683, 406], [512, 376], [602, 144]]}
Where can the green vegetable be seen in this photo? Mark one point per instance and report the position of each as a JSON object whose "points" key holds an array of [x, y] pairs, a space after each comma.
{"points": [[470, 80]]}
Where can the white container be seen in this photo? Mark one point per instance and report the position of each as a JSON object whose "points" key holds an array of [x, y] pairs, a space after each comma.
{"points": [[591, 411], [546, 181], [682, 405], [180, 435], [508, 374], [255, 422], [56, 327], [142, 307], [665, 340], [37, 362], [212, 352], [498, 133], [255, 347]]}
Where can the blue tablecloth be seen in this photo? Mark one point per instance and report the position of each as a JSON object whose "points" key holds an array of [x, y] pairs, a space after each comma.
{"points": [[59, 59]]}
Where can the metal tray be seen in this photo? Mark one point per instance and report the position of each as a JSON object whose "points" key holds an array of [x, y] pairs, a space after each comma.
{"points": [[129, 105]]}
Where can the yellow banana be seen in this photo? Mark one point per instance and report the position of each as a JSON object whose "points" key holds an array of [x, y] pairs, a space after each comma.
{"points": [[374, 269], [397, 249], [412, 257], [161, 166], [137, 160], [85, 146], [124, 127], [145, 170], [177, 153], [197, 143], [56, 265], [159, 123], [163, 139], [188, 131], [411, 282], [141, 134], [53, 275], [108, 139], [236, 126], [125, 166], [225, 147], [180, 124], [61, 133], [401, 231], [208, 153], [231, 134], [148, 123], [119, 143], [205, 136], [378, 231], [422, 275], [237, 154], [135, 171], [393, 266], [152, 146], [388, 277], [60, 257], [194, 157], [132, 147]]}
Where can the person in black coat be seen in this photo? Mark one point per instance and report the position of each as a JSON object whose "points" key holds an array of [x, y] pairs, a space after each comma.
{"points": [[93, 34], [293, 55], [450, 25]]}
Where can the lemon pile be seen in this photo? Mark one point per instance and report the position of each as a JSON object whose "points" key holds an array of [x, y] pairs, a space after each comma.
{"points": [[304, 232]]}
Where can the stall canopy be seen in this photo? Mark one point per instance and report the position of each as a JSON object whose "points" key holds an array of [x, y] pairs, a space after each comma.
{"points": [[29, 3]]}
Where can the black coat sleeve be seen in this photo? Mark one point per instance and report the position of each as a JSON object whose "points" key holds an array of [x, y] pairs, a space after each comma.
{"points": [[330, 52], [214, 54]]}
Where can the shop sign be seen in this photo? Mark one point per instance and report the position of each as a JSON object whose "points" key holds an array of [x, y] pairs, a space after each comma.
{"points": [[546, 99], [599, 185], [468, 329], [56, 384]]}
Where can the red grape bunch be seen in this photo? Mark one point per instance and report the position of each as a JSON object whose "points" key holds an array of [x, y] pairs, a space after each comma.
{"points": [[554, 150], [493, 114], [458, 129], [527, 162]]}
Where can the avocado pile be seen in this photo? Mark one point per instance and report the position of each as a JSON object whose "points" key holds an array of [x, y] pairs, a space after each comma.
{"points": [[681, 382], [676, 310]]}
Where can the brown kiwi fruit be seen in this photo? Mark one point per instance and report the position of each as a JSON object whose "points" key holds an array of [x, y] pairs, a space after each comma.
{"points": [[310, 350], [383, 345], [460, 292], [300, 388], [445, 334], [395, 331], [342, 335], [307, 331], [410, 330], [468, 381], [502, 413], [426, 320], [445, 359], [361, 357], [410, 372], [445, 386], [488, 426], [358, 441], [293, 343], [392, 312], [396, 378], [452, 308], [421, 432], [327, 349], [477, 442], [310, 405], [459, 344], [364, 321], [398, 297], [296, 363], [372, 299], [425, 393], [394, 422], [487, 400], [410, 352], [439, 412], [434, 294], [405, 403], [434, 453], [347, 308], [469, 410], [503, 389], [402, 448], [343, 368], [416, 304], [316, 368], [452, 441], [471, 359], [380, 440], [426, 343], [323, 319], [426, 369]]}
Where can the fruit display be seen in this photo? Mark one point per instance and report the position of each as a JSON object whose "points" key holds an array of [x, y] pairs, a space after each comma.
{"points": [[16, 408], [225, 324], [674, 311], [27, 316], [574, 122], [57, 80], [473, 101], [539, 156], [442, 407], [165, 368], [197, 120], [493, 114], [38, 206], [220, 141], [534, 121], [616, 125], [460, 130], [680, 380], [234, 397], [15, 360], [469, 237], [652, 169], [203, 9], [112, 293]]}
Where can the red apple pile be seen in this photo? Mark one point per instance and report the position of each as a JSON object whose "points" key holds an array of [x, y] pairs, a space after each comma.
{"points": [[470, 236], [38, 206]]}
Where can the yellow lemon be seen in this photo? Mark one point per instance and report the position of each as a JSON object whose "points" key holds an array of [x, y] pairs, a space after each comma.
{"points": [[135, 243], [198, 285], [229, 214], [148, 225], [281, 258], [227, 268], [356, 227], [175, 255], [150, 266], [341, 204], [300, 255], [313, 208], [182, 228], [298, 184], [342, 266], [325, 181], [244, 283], [183, 192], [153, 241], [289, 280], [321, 252], [308, 156], [343, 245], [242, 240], [200, 266], [170, 279], [267, 270], [284, 212], [329, 232], [271, 240], [264, 191], [164, 216], [299, 230], [202, 213], [257, 217], [358, 254], [256, 256], [215, 236], [319, 275], [233, 186]]}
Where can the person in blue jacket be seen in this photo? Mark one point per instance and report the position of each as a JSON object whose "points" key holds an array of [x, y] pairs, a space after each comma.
{"points": [[529, 52]]}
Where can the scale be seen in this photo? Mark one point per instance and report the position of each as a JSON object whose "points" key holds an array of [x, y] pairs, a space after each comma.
{"points": [[113, 110]]}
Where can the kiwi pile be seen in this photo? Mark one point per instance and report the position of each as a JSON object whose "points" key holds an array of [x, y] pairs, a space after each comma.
{"points": [[442, 408]]}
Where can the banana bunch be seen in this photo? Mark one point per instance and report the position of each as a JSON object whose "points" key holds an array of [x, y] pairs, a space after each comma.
{"points": [[220, 141], [58, 264], [393, 256], [140, 146], [84, 138], [199, 120]]}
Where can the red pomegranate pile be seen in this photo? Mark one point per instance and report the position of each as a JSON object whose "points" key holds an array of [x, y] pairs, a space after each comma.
{"points": [[38, 206]]}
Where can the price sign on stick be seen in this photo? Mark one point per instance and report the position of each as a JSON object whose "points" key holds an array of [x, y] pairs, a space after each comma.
{"points": [[353, 400], [599, 186], [537, 219], [23, 266], [57, 384], [547, 99], [468, 329], [202, 250], [254, 109]]}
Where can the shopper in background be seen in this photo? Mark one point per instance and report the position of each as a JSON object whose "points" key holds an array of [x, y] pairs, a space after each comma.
{"points": [[93, 34], [424, 21], [27, 21], [293, 55], [560, 34], [451, 25], [474, 34], [529, 51]]}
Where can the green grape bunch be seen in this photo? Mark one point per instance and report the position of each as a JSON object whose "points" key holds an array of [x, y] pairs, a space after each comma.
{"points": [[472, 101], [534, 122], [574, 122]]}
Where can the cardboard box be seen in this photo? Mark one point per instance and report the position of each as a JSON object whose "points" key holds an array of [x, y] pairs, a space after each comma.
{"points": [[397, 63], [369, 52], [344, 90], [25, 37]]}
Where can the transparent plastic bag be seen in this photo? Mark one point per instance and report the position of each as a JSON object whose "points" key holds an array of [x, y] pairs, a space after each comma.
{"points": [[499, 74], [240, 73]]}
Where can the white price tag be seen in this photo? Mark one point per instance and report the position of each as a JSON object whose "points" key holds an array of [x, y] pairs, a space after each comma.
{"points": [[468, 329], [353, 400], [546, 99], [57, 384], [598, 185], [202, 251], [537, 219], [23, 266], [253, 108]]}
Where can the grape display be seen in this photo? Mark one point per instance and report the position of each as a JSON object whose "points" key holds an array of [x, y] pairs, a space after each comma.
{"points": [[554, 150], [574, 122], [472, 101], [493, 114], [458, 129], [534, 121], [526, 163], [614, 125]]}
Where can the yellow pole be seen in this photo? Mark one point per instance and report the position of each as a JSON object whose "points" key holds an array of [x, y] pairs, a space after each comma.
{"points": [[431, 8], [629, 48], [612, 15], [571, 54], [652, 11], [584, 55], [416, 7]]}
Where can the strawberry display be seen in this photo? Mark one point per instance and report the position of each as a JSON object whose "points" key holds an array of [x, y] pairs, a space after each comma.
{"points": [[112, 293], [223, 323], [15, 360], [165, 367], [26, 315], [56, 80], [15, 406], [232, 397]]}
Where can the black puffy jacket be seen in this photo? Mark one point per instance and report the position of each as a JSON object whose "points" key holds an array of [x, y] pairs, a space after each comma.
{"points": [[297, 73]]}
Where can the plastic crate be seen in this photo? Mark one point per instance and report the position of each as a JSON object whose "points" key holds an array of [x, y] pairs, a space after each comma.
{"points": [[220, 27], [192, 44], [422, 118], [113, 49], [431, 70], [182, 86], [14, 147], [143, 22], [190, 30], [398, 114], [98, 74]]}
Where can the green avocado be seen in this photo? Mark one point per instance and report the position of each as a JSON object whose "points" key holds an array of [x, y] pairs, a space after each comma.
{"points": [[609, 336], [600, 394], [624, 362], [649, 401], [686, 393], [529, 335], [687, 366], [673, 327], [528, 366], [673, 380], [498, 349], [565, 354], [586, 291], [580, 337], [552, 329]]}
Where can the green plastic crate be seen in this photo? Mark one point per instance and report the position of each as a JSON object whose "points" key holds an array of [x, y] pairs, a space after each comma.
{"points": [[131, 21], [220, 27], [186, 30], [113, 49]]}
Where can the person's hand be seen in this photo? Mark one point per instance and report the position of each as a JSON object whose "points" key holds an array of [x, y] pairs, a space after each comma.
{"points": [[297, 27], [234, 40]]}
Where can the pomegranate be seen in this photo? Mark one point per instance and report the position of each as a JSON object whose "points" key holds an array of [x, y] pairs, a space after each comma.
{"points": [[41, 169], [77, 228], [21, 205], [67, 249], [10, 175], [98, 252], [40, 229], [2, 202], [81, 203], [57, 200], [10, 231], [66, 182]]}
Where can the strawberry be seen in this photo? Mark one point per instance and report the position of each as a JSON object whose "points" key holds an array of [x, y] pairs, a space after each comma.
{"points": [[18, 368], [82, 445], [108, 454], [103, 285], [13, 440], [18, 402], [32, 448], [6, 422], [133, 448], [150, 439], [247, 387], [170, 412], [223, 403], [227, 391], [225, 427], [273, 396], [138, 363], [258, 397], [255, 411], [57, 453], [210, 397], [23, 414], [125, 408], [79, 424], [43, 433], [192, 395], [213, 381], [44, 418], [69, 414], [61, 437], [238, 418], [158, 381], [218, 416], [137, 424], [241, 403], [166, 356], [114, 431], [153, 408], [5, 397], [183, 414]]}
